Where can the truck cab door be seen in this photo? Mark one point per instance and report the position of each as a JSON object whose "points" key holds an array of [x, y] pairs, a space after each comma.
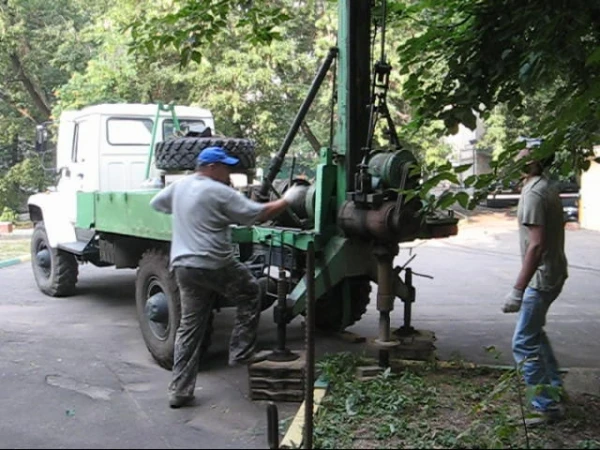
{"points": [[72, 170]]}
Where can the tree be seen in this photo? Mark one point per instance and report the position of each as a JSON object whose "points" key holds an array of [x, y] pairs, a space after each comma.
{"points": [[281, 43], [463, 57], [40, 47], [471, 56]]}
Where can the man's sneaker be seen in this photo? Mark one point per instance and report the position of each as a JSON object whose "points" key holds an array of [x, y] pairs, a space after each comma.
{"points": [[253, 358], [177, 401], [546, 416]]}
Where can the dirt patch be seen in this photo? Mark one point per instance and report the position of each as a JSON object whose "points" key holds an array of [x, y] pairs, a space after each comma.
{"points": [[430, 407]]}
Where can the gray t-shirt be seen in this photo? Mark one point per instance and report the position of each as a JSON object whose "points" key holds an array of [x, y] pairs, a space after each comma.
{"points": [[203, 211], [540, 205]]}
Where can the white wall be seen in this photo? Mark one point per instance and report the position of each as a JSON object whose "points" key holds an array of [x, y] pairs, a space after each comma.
{"points": [[589, 201]]}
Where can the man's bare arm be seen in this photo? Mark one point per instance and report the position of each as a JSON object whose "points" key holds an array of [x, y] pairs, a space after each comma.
{"points": [[533, 256], [272, 210]]}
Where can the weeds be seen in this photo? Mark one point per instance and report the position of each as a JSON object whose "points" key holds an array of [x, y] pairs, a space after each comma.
{"points": [[429, 407]]}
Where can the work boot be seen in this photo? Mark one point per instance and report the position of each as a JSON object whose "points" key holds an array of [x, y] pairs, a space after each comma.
{"points": [[251, 359], [177, 401]]}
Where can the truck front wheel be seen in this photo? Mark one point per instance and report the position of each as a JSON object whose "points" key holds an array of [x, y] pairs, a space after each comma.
{"points": [[55, 270], [159, 307]]}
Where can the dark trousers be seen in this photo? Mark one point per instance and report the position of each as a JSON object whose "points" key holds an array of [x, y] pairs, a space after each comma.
{"points": [[197, 290]]}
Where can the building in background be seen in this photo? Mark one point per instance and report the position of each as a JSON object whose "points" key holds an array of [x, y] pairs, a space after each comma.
{"points": [[589, 200], [465, 151]]}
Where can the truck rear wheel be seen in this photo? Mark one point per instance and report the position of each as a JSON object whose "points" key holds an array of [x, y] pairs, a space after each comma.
{"points": [[55, 270], [329, 309], [181, 153], [159, 308]]}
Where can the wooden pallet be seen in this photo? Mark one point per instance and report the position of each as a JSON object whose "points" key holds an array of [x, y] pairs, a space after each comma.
{"points": [[278, 381]]}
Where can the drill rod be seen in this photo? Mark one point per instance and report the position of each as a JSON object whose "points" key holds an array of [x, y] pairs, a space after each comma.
{"points": [[277, 161]]}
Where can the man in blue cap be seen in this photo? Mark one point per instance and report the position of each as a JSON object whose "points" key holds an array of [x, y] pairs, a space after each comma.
{"points": [[204, 206]]}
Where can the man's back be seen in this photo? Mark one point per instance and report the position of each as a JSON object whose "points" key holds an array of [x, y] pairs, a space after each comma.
{"points": [[540, 205], [203, 211]]}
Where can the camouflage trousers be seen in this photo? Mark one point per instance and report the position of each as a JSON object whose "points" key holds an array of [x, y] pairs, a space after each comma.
{"points": [[197, 290]]}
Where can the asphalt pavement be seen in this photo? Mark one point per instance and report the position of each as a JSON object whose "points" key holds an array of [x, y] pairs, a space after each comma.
{"points": [[75, 373]]}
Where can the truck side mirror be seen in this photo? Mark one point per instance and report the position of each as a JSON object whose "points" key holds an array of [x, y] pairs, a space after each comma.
{"points": [[41, 138]]}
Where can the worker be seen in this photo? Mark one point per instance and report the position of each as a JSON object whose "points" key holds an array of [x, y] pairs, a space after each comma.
{"points": [[203, 207], [540, 281]]}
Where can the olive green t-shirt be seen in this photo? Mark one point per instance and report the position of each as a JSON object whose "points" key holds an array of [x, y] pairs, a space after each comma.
{"points": [[540, 205]]}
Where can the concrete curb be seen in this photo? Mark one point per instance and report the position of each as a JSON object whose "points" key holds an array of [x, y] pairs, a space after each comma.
{"points": [[295, 434], [14, 261]]}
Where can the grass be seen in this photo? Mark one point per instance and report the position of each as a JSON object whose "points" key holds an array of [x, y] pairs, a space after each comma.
{"points": [[429, 407], [23, 225], [13, 248]]}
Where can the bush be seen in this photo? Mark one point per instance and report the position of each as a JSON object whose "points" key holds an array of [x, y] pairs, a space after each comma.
{"points": [[22, 180], [8, 215]]}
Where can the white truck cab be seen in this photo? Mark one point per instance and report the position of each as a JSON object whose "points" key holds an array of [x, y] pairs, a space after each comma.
{"points": [[105, 148]]}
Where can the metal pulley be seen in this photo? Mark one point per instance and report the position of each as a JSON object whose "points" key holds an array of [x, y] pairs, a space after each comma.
{"points": [[387, 170]]}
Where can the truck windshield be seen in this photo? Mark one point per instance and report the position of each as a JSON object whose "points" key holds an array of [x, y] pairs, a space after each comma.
{"points": [[129, 131], [186, 124]]}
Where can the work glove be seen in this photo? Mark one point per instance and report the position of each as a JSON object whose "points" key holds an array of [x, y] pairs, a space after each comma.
{"points": [[513, 301], [294, 194]]}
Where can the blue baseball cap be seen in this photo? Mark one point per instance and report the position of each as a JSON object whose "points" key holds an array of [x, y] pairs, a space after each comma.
{"points": [[212, 155]]}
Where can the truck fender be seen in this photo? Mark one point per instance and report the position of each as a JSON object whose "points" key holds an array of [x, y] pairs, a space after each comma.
{"points": [[50, 208]]}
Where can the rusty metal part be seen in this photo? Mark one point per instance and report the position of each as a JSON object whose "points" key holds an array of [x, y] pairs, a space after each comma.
{"points": [[383, 223], [385, 291], [384, 358], [310, 346], [407, 329], [288, 218], [282, 353], [301, 208], [384, 327]]}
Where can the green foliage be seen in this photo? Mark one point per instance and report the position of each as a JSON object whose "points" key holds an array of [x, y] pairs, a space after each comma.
{"points": [[8, 215], [588, 443], [428, 406], [407, 410], [255, 90], [463, 62], [22, 180], [41, 46], [191, 25], [530, 72]]}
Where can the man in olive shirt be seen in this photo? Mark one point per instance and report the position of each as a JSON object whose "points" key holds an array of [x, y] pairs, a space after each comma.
{"points": [[540, 281]]}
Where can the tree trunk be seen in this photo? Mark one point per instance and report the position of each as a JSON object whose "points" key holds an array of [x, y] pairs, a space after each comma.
{"points": [[312, 139], [34, 91], [23, 111], [15, 156]]}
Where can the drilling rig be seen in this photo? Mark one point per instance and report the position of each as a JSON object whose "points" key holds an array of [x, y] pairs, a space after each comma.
{"points": [[355, 213]]}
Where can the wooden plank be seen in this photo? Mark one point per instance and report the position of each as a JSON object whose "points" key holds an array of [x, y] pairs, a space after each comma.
{"points": [[279, 369], [277, 383], [277, 396], [294, 436]]}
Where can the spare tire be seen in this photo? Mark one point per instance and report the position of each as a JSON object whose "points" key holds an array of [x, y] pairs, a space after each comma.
{"points": [[180, 153]]}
